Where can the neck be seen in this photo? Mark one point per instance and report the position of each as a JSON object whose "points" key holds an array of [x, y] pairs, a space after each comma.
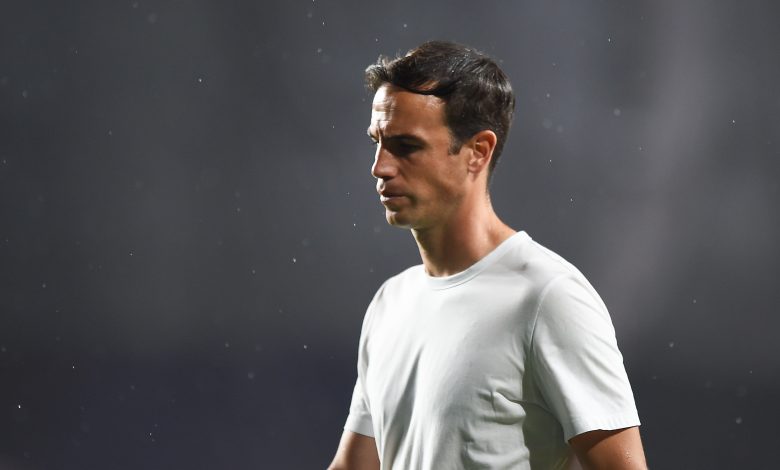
{"points": [[465, 238]]}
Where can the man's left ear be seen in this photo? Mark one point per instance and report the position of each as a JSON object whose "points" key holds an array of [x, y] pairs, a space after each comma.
{"points": [[483, 143]]}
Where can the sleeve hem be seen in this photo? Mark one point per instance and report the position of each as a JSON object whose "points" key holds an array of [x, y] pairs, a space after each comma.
{"points": [[619, 421], [360, 425]]}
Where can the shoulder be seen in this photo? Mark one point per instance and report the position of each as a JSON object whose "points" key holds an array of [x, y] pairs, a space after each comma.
{"points": [[394, 287], [546, 265], [558, 290], [403, 281], [539, 268]]}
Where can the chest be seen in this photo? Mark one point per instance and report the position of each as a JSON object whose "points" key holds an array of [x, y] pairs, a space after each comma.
{"points": [[438, 358]]}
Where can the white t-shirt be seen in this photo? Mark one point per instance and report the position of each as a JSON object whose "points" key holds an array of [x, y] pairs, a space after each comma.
{"points": [[495, 367]]}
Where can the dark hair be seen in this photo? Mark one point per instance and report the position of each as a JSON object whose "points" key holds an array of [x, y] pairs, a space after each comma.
{"points": [[476, 92]]}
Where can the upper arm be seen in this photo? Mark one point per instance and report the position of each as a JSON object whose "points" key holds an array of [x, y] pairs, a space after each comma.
{"points": [[355, 452], [619, 449], [576, 361]]}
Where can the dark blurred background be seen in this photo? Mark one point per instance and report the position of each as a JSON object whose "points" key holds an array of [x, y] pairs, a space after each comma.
{"points": [[189, 234]]}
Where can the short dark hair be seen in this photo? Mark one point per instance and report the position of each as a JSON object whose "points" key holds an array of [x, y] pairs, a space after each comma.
{"points": [[476, 92]]}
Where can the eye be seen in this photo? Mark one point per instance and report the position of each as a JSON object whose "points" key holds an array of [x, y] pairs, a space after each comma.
{"points": [[403, 149]]}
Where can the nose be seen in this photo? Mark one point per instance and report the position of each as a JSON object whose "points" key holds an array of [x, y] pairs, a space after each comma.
{"points": [[384, 164]]}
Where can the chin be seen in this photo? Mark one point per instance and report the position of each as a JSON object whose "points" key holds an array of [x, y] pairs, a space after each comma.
{"points": [[397, 220]]}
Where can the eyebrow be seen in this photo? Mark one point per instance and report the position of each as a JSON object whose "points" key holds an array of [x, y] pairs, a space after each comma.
{"points": [[397, 137]]}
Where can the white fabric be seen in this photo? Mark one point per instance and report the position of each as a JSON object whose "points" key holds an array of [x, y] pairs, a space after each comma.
{"points": [[495, 367]]}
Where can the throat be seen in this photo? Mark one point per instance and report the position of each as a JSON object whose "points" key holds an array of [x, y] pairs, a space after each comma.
{"points": [[446, 251]]}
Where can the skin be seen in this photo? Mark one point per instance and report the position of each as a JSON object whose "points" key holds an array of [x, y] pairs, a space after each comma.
{"points": [[619, 449], [442, 198]]}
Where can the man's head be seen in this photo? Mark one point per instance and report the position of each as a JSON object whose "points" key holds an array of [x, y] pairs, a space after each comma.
{"points": [[476, 93]]}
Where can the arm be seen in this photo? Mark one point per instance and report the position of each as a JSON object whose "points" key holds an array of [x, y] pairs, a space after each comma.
{"points": [[355, 452], [620, 449]]}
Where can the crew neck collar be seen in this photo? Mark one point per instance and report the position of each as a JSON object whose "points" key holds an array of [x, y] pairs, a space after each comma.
{"points": [[445, 282]]}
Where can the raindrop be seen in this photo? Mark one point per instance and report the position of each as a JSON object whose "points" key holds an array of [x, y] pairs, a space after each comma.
{"points": [[152, 18], [738, 420], [671, 344], [43, 285], [616, 112], [227, 345], [250, 375], [294, 260], [131, 253], [405, 25], [24, 93], [305, 346]]}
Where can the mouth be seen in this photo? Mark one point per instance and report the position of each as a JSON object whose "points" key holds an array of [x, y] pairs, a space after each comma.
{"points": [[387, 196], [390, 197]]}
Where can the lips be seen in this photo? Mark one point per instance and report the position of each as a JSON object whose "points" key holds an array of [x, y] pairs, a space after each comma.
{"points": [[386, 195]]}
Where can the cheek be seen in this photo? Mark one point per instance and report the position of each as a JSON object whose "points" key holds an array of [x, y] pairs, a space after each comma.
{"points": [[450, 180]]}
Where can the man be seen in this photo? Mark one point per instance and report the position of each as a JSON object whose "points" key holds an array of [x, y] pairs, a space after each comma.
{"points": [[495, 353]]}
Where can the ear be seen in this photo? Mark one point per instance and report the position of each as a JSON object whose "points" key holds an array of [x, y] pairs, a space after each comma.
{"points": [[483, 143]]}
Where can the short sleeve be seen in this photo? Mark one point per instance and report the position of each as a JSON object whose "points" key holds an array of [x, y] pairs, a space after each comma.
{"points": [[359, 419], [576, 361]]}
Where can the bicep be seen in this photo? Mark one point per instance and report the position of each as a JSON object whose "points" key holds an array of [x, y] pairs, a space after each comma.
{"points": [[356, 452], [576, 362], [619, 449]]}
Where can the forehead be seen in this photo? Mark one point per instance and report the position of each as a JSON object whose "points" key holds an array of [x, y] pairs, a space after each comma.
{"points": [[395, 110]]}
